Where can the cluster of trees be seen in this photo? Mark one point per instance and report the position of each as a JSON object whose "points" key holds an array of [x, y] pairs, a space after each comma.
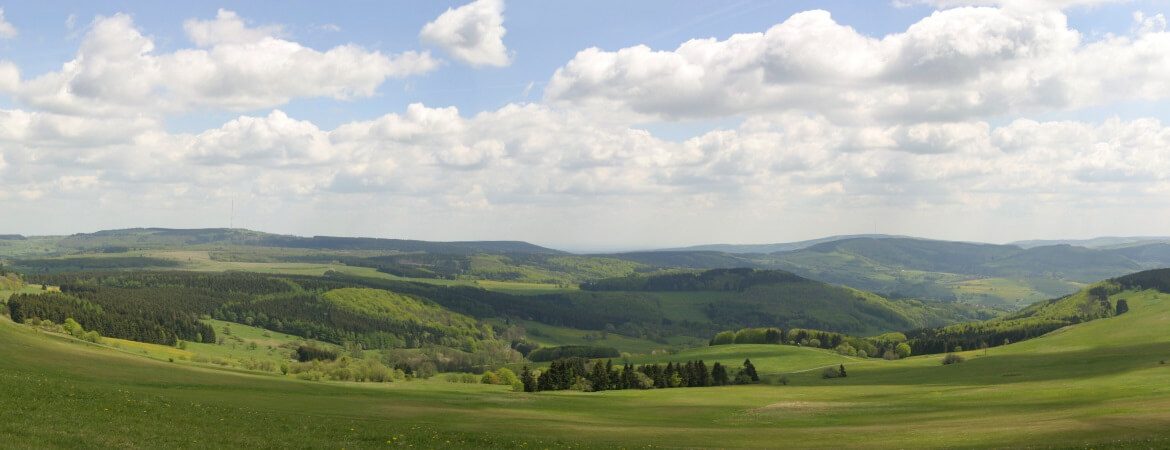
{"points": [[890, 345], [578, 374], [344, 368], [709, 280], [544, 354]]}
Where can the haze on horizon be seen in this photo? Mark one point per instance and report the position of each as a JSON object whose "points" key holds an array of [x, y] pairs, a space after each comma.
{"points": [[599, 125]]}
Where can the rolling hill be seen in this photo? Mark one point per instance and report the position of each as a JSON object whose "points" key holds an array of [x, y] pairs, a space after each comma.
{"points": [[153, 238], [1096, 384]]}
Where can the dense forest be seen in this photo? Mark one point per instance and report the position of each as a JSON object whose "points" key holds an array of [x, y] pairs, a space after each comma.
{"points": [[709, 280], [169, 302]]}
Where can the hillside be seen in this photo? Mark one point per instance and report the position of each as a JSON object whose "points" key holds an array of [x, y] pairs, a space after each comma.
{"points": [[1100, 300], [1096, 384], [731, 298]]}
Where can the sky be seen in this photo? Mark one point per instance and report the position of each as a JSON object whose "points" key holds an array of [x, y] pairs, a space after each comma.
{"points": [[589, 125]]}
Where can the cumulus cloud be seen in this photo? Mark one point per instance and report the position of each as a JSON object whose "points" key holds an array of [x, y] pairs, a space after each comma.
{"points": [[227, 28], [472, 34], [1019, 4], [953, 65], [118, 72], [7, 30]]}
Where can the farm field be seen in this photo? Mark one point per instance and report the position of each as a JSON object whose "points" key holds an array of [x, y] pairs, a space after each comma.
{"points": [[1100, 383]]}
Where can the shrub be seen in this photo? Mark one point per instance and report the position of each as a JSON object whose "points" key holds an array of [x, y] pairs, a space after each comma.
{"points": [[642, 381], [846, 349], [952, 358], [862, 354], [784, 380], [890, 355], [902, 349], [814, 343], [570, 351], [490, 377], [579, 384], [92, 336], [830, 372]]}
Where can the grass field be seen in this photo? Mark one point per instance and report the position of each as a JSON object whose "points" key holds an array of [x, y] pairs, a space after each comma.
{"points": [[1095, 384]]}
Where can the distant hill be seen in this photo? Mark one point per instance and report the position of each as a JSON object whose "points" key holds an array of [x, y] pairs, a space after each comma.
{"points": [[11, 237], [727, 298], [1007, 276], [148, 238], [1099, 242], [769, 248], [687, 259]]}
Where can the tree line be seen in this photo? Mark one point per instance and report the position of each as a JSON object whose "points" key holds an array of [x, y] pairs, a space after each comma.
{"points": [[580, 374], [889, 345]]}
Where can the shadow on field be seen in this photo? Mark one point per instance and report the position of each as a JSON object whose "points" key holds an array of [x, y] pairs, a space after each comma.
{"points": [[1018, 368]]}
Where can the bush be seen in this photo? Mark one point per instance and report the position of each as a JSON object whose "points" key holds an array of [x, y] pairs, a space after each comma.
{"points": [[846, 349], [952, 358], [724, 338], [814, 343], [890, 355], [830, 372], [902, 349], [313, 353], [784, 380], [490, 377], [507, 376]]}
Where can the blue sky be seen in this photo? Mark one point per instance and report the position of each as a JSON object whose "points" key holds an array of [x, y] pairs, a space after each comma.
{"points": [[972, 120]]}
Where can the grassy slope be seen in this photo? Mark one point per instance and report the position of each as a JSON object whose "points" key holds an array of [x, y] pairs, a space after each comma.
{"points": [[1096, 384], [551, 336]]}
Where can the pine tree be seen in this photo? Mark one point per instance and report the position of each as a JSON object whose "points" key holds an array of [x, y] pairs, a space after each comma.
{"points": [[702, 373], [719, 375], [841, 370], [599, 377], [750, 369], [527, 380]]}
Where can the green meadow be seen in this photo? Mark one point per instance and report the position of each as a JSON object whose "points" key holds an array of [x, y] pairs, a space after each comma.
{"points": [[1097, 384]]}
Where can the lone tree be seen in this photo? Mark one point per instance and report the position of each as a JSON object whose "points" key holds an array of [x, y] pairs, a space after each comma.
{"points": [[750, 370], [841, 370], [1122, 307]]}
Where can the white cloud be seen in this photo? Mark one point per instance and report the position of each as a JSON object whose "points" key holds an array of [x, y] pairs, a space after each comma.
{"points": [[227, 28], [472, 34], [7, 30], [117, 71], [955, 64]]}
